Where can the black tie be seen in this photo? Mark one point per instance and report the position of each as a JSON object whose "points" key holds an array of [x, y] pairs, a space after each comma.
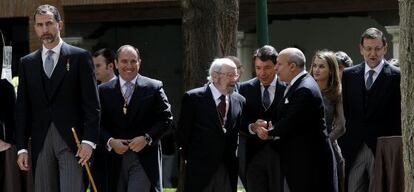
{"points": [[222, 106], [370, 79], [266, 97]]}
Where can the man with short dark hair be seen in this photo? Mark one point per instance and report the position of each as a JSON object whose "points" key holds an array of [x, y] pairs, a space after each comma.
{"points": [[262, 94], [372, 108], [57, 91], [104, 61]]}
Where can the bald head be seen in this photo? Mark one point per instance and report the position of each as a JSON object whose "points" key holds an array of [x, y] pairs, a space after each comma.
{"points": [[291, 62]]}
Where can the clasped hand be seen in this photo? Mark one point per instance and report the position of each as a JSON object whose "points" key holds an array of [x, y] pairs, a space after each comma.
{"points": [[261, 128], [120, 146]]}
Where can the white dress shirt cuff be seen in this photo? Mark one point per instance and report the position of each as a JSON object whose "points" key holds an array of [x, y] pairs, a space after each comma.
{"points": [[22, 151], [250, 129], [108, 146], [93, 145]]}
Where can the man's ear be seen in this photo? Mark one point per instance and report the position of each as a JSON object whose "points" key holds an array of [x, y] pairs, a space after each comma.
{"points": [[60, 25]]}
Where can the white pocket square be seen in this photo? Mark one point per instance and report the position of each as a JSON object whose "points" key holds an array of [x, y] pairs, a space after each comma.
{"points": [[286, 100]]}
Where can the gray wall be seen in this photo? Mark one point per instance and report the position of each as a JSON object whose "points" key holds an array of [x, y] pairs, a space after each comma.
{"points": [[335, 33]]}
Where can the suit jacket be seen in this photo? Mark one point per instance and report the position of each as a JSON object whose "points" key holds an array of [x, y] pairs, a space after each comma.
{"points": [[148, 112], [71, 100], [203, 143], [254, 110], [369, 114], [7, 102], [307, 158]]}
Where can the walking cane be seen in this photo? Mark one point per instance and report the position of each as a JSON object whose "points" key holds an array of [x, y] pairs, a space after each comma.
{"points": [[88, 170]]}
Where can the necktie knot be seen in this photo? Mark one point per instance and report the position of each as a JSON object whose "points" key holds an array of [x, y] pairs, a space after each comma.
{"points": [[49, 63], [266, 97], [370, 79]]}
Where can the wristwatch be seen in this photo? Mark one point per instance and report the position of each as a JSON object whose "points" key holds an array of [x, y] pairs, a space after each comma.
{"points": [[148, 139]]}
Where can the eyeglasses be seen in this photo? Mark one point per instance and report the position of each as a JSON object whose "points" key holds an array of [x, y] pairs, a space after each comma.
{"points": [[230, 75], [375, 49]]}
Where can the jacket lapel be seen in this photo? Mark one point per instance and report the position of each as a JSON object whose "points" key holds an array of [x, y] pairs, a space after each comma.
{"points": [[137, 95], [37, 74], [211, 107], [61, 68]]}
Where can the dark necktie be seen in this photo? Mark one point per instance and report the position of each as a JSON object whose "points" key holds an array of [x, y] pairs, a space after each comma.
{"points": [[266, 97], [49, 63], [222, 107], [370, 79]]}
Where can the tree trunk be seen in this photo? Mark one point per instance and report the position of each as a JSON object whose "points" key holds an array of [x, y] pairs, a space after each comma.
{"points": [[407, 88], [209, 31]]}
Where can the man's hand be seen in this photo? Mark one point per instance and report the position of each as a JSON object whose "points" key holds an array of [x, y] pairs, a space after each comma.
{"points": [[84, 153], [23, 161], [260, 128], [120, 146], [137, 144]]}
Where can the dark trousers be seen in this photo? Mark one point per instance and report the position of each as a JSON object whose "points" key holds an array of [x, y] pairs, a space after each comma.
{"points": [[220, 181], [100, 169], [264, 173]]}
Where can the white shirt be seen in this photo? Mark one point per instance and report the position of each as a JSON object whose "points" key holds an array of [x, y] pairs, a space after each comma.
{"points": [[55, 56], [377, 70]]}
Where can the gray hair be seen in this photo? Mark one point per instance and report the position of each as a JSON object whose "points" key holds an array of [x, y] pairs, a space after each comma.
{"points": [[216, 66]]}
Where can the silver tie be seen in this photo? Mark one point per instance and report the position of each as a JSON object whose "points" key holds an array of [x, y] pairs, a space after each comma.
{"points": [[370, 79], [129, 90], [49, 63]]}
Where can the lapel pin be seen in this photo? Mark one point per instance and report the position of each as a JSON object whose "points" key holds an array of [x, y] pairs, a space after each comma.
{"points": [[67, 65]]}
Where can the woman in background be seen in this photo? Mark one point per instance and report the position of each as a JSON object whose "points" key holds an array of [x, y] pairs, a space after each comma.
{"points": [[325, 71]]}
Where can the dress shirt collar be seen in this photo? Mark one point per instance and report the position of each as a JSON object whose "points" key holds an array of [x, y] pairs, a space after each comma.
{"points": [[122, 81], [216, 93], [377, 69], [297, 77]]}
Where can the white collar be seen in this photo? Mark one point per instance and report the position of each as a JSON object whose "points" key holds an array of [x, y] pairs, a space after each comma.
{"points": [[216, 93], [377, 69], [297, 77], [122, 81]]}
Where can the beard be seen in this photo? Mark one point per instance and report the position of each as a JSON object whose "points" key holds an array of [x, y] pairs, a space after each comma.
{"points": [[48, 38], [231, 89]]}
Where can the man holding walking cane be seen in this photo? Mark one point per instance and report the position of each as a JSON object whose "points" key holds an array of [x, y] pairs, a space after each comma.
{"points": [[57, 91]]}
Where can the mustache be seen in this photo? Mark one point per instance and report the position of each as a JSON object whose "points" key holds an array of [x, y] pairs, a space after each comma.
{"points": [[47, 35]]}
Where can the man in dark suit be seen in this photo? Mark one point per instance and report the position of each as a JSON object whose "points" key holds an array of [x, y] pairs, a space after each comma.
{"points": [[104, 61], [57, 91], [135, 114], [372, 107], [307, 158], [262, 94], [207, 131]]}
